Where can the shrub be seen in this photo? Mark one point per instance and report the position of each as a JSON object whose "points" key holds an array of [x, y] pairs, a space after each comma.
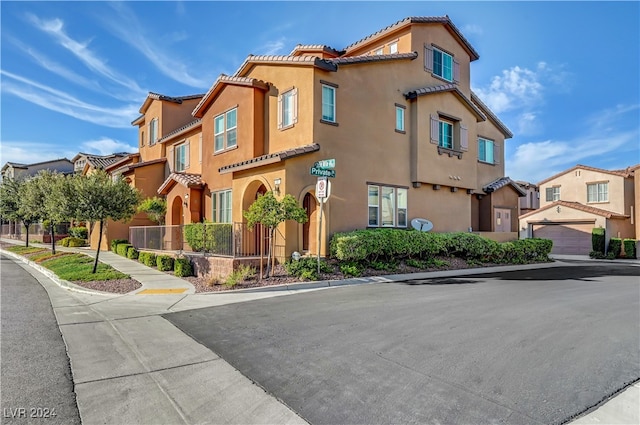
{"points": [[147, 258], [242, 273], [351, 269], [598, 239], [116, 242], [182, 267], [164, 263], [615, 247], [79, 232], [629, 248], [209, 237], [306, 268], [525, 251], [64, 242], [72, 242], [122, 248], [133, 253]]}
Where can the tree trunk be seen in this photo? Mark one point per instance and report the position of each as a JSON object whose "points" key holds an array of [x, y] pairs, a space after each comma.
{"points": [[26, 225], [95, 263], [53, 238], [273, 249], [268, 271]]}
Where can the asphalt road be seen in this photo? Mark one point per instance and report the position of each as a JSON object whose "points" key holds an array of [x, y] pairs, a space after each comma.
{"points": [[37, 386], [535, 347]]}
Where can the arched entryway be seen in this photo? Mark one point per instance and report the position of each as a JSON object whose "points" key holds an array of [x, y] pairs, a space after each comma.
{"points": [[177, 214], [251, 237], [309, 229], [173, 237]]}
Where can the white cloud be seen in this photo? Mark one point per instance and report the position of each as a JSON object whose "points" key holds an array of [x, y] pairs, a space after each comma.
{"points": [[536, 161], [31, 152], [273, 47], [528, 123], [127, 28], [515, 88], [59, 101], [106, 146], [55, 28], [472, 29]]}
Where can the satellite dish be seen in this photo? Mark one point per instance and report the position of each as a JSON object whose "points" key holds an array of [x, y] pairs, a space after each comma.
{"points": [[421, 224]]}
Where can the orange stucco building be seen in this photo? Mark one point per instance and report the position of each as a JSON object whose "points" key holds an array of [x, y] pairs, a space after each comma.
{"points": [[395, 110]]}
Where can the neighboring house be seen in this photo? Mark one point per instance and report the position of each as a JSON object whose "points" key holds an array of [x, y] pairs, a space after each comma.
{"points": [[531, 201], [575, 201], [85, 163], [395, 110], [14, 170]]}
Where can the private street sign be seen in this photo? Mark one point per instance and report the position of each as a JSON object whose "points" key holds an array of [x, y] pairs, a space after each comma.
{"points": [[325, 164], [320, 172]]}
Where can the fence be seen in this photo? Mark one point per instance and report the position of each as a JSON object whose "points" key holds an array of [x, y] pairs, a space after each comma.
{"points": [[17, 230], [219, 239]]}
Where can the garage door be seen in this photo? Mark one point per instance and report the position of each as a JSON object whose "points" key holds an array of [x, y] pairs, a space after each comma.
{"points": [[568, 238]]}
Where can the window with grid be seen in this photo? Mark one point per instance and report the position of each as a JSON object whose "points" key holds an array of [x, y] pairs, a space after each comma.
{"points": [[328, 103], [552, 193], [225, 131], [153, 131], [485, 150], [181, 159], [399, 118], [598, 192], [387, 206], [221, 210], [445, 134], [443, 64]]}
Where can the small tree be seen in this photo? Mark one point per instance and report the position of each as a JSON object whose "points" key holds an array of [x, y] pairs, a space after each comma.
{"points": [[100, 198], [155, 208], [270, 212], [11, 196]]}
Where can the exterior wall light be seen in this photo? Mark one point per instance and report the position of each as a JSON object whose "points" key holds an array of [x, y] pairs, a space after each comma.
{"points": [[276, 188], [295, 256], [186, 200]]}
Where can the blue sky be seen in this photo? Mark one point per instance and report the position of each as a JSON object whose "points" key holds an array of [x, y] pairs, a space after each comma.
{"points": [[563, 76]]}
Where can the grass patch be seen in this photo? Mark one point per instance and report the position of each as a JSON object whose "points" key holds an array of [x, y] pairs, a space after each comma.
{"points": [[23, 250], [47, 255], [77, 268]]}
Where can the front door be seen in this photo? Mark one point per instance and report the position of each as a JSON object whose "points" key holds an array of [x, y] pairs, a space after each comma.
{"points": [[502, 220]]}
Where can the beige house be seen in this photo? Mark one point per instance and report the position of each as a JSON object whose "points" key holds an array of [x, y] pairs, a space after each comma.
{"points": [[395, 110], [575, 201]]}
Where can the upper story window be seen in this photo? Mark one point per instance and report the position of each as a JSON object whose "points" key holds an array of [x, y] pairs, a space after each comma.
{"points": [[441, 64], [449, 133], [387, 206], [221, 203], [400, 118], [181, 157], [393, 47], [552, 193], [379, 51], [225, 130], [598, 192], [142, 138], [288, 108], [153, 131], [328, 103], [486, 150]]}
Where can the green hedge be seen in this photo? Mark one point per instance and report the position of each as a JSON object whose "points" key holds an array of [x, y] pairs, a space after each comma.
{"points": [[122, 248], [598, 240], [133, 253], [209, 237], [116, 242], [629, 248], [164, 263], [147, 258], [370, 245], [615, 247], [182, 267], [79, 232], [72, 242]]}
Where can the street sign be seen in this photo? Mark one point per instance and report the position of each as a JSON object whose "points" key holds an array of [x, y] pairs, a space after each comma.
{"points": [[321, 188], [322, 172], [325, 164]]}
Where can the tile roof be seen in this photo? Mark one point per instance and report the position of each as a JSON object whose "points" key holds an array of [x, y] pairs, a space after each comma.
{"points": [[346, 60], [622, 173], [492, 117], [131, 167], [217, 85], [174, 99], [185, 179], [316, 48], [306, 60], [102, 161], [419, 20], [577, 206], [502, 182], [270, 158], [121, 161], [442, 88], [189, 126]]}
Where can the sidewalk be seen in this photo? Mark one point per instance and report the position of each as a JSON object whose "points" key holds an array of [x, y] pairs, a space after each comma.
{"points": [[130, 365]]}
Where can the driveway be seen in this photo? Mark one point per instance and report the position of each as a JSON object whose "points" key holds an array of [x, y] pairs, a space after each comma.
{"points": [[538, 346]]}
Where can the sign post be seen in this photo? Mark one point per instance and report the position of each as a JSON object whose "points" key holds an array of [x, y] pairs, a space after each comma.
{"points": [[324, 170]]}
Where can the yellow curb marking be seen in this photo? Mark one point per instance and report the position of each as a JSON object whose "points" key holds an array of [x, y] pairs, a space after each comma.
{"points": [[162, 291]]}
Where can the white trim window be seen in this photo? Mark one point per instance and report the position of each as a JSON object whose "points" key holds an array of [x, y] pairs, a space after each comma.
{"points": [[379, 51], [400, 118], [181, 157], [393, 47], [387, 206], [225, 130], [597, 192], [445, 134], [328, 103], [485, 150], [288, 109], [552, 194], [153, 131], [443, 64], [221, 206]]}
